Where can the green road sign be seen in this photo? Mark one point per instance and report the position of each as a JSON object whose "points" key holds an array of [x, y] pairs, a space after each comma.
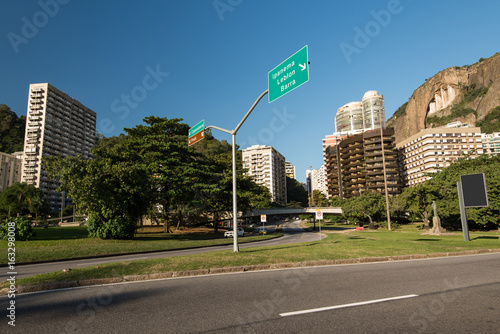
{"points": [[288, 75], [196, 133], [197, 128]]}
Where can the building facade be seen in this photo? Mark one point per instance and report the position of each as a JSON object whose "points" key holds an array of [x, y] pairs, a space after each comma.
{"points": [[491, 143], [357, 163], [266, 167], [56, 125], [10, 169], [433, 149], [290, 170], [357, 117]]}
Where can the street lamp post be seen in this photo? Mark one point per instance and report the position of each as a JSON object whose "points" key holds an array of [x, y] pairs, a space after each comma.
{"points": [[233, 136]]}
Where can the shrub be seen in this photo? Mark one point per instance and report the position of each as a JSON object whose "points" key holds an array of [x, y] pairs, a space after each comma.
{"points": [[394, 225], [114, 228], [23, 230]]}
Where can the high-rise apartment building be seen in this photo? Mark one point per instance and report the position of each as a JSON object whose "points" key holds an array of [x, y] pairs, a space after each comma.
{"points": [[357, 117], [317, 179], [352, 119], [10, 169], [432, 149], [373, 110], [56, 125], [266, 166], [290, 170], [356, 164]]}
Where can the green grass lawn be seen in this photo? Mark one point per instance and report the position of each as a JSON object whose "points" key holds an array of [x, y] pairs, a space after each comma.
{"points": [[367, 243], [71, 242]]}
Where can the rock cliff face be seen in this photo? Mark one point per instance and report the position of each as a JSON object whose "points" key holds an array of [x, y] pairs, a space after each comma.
{"points": [[466, 94]]}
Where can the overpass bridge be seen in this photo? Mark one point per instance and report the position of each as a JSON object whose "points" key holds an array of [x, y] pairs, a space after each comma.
{"points": [[292, 211]]}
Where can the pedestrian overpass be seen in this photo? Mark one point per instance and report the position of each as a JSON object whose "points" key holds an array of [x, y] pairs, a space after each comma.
{"points": [[292, 211]]}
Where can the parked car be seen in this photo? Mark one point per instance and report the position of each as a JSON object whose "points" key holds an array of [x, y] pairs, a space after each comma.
{"points": [[263, 231], [229, 233]]}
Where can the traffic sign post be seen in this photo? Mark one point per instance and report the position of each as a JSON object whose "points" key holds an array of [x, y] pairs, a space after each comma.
{"points": [[472, 193], [196, 133], [319, 217], [288, 75]]}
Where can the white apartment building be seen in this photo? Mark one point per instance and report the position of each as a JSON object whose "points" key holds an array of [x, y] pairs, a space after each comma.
{"points": [[290, 170], [56, 125], [491, 143], [10, 169], [317, 179], [266, 167], [358, 117], [432, 149]]}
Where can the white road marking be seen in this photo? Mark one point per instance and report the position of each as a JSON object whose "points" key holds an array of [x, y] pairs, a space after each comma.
{"points": [[345, 305]]}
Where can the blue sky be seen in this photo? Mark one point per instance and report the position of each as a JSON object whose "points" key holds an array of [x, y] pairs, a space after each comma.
{"points": [[209, 59]]}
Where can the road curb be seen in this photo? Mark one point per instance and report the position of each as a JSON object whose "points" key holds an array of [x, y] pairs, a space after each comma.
{"points": [[200, 272]]}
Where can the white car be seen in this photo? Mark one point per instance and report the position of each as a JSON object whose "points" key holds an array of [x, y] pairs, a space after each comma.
{"points": [[229, 233]]}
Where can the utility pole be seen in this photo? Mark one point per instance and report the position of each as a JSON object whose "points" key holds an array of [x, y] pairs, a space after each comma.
{"points": [[385, 179]]}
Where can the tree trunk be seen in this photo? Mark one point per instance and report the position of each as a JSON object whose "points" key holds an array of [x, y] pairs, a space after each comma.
{"points": [[216, 222], [179, 220], [426, 220]]}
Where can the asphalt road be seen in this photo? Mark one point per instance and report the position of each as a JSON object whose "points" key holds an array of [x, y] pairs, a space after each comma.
{"points": [[439, 295], [292, 233]]}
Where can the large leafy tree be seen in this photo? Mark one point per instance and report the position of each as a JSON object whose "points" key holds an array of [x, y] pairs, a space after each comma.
{"points": [[368, 205], [416, 201], [176, 169], [295, 192], [447, 201], [114, 189]]}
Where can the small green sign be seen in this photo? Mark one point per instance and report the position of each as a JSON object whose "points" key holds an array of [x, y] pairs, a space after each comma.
{"points": [[289, 75], [197, 128]]}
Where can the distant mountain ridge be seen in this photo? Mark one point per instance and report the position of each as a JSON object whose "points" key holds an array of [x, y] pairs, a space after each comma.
{"points": [[460, 93]]}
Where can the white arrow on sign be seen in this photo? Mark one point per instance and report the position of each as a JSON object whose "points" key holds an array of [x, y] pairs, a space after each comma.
{"points": [[303, 67]]}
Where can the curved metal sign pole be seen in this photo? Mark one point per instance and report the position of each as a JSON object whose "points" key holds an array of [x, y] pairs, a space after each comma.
{"points": [[233, 135]]}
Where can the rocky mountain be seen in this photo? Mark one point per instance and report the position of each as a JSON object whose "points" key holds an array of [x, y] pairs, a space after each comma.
{"points": [[466, 93]]}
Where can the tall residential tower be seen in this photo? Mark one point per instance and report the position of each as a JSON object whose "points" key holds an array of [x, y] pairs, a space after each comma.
{"points": [[56, 125], [266, 166]]}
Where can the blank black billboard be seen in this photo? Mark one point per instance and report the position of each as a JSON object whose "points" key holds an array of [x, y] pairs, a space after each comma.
{"points": [[474, 190]]}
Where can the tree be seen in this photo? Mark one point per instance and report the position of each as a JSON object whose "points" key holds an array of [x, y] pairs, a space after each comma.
{"points": [[114, 189], [369, 205], [11, 130], [446, 183], [416, 201], [295, 192], [216, 195], [22, 199], [319, 199], [162, 150]]}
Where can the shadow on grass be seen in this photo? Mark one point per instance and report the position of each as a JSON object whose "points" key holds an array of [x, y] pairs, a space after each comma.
{"points": [[355, 237], [428, 240], [487, 237], [60, 233]]}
